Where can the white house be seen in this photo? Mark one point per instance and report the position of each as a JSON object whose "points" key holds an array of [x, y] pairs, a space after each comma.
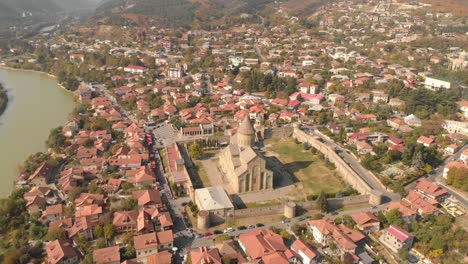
{"points": [[307, 254], [135, 69], [435, 84]]}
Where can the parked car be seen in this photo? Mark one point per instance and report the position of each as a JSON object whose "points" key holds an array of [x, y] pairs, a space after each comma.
{"points": [[207, 234], [242, 227], [286, 221], [198, 235], [251, 226], [228, 230], [259, 225], [217, 232]]}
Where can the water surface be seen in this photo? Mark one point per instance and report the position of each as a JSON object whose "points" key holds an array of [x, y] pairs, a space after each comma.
{"points": [[36, 105]]}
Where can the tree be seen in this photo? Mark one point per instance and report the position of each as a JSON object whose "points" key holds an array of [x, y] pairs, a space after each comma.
{"points": [[55, 233], [322, 202], [348, 221], [195, 151], [109, 231], [285, 235], [458, 177], [56, 140], [394, 217]]}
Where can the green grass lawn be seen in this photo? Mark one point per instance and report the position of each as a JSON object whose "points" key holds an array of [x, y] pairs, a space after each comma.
{"points": [[305, 166], [202, 174]]}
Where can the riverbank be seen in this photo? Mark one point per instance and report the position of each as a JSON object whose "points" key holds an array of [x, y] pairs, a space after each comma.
{"points": [[35, 71], [3, 99]]}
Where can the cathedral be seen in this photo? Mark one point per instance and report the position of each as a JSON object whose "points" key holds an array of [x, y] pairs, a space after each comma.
{"points": [[243, 166]]}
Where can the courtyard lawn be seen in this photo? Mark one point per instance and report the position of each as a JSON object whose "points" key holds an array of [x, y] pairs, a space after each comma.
{"points": [[203, 176], [308, 168]]}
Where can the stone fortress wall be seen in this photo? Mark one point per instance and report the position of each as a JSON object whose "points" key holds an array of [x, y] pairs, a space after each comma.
{"points": [[345, 171]]}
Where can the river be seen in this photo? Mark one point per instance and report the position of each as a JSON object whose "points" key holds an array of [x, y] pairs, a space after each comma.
{"points": [[36, 105]]}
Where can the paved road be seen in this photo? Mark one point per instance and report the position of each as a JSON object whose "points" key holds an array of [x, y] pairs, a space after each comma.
{"points": [[365, 175], [437, 176], [209, 241]]}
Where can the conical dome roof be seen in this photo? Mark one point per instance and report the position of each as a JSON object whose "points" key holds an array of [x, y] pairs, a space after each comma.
{"points": [[246, 127]]}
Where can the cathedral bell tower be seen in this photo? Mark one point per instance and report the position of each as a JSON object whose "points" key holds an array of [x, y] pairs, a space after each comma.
{"points": [[246, 133]]}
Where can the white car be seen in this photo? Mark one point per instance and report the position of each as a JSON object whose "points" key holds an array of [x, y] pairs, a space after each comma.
{"points": [[228, 230]]}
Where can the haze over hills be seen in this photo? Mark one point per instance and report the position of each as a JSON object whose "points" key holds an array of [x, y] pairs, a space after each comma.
{"points": [[14, 8], [180, 12]]}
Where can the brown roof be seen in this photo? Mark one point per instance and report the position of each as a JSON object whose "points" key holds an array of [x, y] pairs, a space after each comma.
{"points": [[262, 242], [163, 257], [106, 255], [124, 218], [146, 197], [53, 210], [58, 251], [149, 240], [205, 256], [363, 218]]}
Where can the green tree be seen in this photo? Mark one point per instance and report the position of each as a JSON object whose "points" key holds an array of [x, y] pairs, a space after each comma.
{"points": [[394, 217], [55, 233], [109, 231], [195, 151], [322, 201]]}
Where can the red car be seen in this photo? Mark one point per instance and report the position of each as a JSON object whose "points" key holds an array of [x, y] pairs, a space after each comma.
{"points": [[207, 234]]}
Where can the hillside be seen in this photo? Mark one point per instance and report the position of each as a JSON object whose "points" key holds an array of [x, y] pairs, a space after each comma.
{"points": [[179, 12], [34, 6], [457, 7]]}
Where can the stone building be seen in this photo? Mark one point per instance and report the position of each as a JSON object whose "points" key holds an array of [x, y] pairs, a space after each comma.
{"points": [[243, 166]]}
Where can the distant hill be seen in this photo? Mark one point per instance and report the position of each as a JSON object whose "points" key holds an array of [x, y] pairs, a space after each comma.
{"points": [[71, 5], [6, 11], [41, 6], [179, 12]]}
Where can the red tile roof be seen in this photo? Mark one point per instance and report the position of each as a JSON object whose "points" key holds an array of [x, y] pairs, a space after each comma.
{"points": [[401, 234]]}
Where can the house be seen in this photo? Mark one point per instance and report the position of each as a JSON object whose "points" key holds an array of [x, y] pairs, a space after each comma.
{"points": [[366, 117], [435, 84], [41, 176], [463, 106], [366, 222], [109, 255], [412, 121], [395, 123], [258, 244], [35, 204], [424, 207], [205, 255], [307, 253], [52, 212], [148, 198], [431, 190], [426, 141], [162, 257], [125, 221], [396, 238], [408, 215], [135, 69], [464, 156], [151, 243], [363, 147], [92, 211], [451, 149], [59, 252], [325, 231], [82, 227]]}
